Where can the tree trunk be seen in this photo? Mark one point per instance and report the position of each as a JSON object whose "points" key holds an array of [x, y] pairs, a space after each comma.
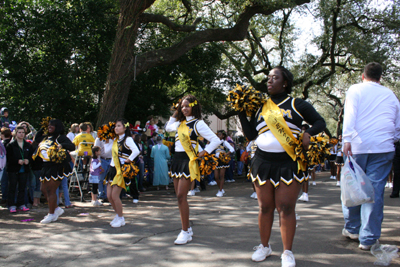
{"points": [[120, 74], [339, 123]]}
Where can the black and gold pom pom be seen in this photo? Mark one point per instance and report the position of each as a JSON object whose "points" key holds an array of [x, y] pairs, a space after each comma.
{"points": [[56, 154], [299, 149], [106, 131], [224, 157], [44, 124], [129, 170], [244, 98], [318, 149], [175, 105], [207, 164]]}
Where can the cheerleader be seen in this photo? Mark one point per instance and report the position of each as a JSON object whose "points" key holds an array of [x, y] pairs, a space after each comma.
{"points": [[187, 122], [275, 126], [53, 173], [124, 151], [219, 172]]}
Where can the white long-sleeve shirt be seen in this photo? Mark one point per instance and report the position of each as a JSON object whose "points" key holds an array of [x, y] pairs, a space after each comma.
{"points": [[201, 128], [132, 146], [105, 147], [371, 118]]}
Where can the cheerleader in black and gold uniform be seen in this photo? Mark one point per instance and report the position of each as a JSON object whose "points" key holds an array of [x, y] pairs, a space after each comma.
{"points": [[219, 172], [52, 172], [273, 170], [187, 122], [124, 151]]}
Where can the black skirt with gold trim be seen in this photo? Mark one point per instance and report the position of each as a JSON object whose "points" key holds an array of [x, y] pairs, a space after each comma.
{"points": [[55, 171], [276, 168], [112, 171], [180, 166]]}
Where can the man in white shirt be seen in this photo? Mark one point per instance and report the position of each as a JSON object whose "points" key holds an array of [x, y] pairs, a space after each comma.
{"points": [[371, 127]]}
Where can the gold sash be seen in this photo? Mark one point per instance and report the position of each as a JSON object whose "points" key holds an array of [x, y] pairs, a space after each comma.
{"points": [[276, 123], [184, 138], [119, 178]]}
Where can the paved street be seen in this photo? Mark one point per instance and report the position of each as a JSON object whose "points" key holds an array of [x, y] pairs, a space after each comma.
{"points": [[225, 232]]}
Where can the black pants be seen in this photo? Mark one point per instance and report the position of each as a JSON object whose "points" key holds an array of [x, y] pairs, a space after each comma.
{"points": [[17, 179], [133, 189], [396, 175]]}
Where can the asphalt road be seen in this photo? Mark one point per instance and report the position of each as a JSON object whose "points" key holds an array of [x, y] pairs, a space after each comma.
{"points": [[225, 232]]}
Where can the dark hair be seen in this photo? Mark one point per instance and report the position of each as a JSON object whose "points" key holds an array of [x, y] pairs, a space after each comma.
{"points": [[83, 126], [6, 132], [154, 134], [89, 124], [20, 127], [143, 138], [127, 130], [137, 138], [196, 109], [287, 77], [59, 127], [94, 150], [223, 133], [373, 71]]}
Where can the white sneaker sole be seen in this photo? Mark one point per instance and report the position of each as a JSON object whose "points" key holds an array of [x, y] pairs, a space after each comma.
{"points": [[183, 243], [117, 225]]}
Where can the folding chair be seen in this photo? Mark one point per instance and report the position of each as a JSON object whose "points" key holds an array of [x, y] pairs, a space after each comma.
{"points": [[80, 172]]}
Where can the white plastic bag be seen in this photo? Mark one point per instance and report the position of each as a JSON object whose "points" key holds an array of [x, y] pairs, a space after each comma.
{"points": [[384, 254], [355, 186]]}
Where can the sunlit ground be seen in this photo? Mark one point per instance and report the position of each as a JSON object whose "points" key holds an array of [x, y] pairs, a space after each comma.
{"points": [[225, 232]]}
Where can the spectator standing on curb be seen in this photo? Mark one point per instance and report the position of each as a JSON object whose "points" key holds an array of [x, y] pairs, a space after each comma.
{"points": [[371, 127]]}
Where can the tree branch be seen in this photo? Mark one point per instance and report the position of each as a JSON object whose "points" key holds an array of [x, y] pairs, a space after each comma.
{"points": [[147, 17]]}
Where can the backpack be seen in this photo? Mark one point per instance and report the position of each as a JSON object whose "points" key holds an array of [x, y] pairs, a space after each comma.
{"points": [[3, 159]]}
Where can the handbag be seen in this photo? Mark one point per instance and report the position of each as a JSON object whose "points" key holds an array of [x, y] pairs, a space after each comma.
{"points": [[356, 188]]}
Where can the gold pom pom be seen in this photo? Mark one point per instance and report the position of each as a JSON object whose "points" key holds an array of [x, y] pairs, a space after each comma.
{"points": [[318, 149], [224, 157], [56, 155], [44, 124], [246, 99], [129, 170], [106, 131], [207, 164]]}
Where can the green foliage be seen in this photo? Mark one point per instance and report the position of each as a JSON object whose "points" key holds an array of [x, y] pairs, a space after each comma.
{"points": [[54, 57]]}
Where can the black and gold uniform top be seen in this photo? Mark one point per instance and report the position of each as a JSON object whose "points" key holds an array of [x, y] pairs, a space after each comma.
{"points": [[194, 134], [47, 141], [294, 111], [127, 149], [196, 128]]}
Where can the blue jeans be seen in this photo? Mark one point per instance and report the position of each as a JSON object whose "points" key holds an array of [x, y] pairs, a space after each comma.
{"points": [[64, 187], [229, 171], [240, 167], [4, 184], [211, 177], [366, 219], [105, 164], [36, 191]]}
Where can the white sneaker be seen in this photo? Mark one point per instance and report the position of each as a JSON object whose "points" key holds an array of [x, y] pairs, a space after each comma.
{"points": [[96, 203], [254, 195], [58, 212], [135, 201], [288, 259], [333, 177], [120, 221], [304, 197], [233, 180], [390, 185], [210, 183], [338, 183], [191, 193], [314, 183], [183, 238], [223, 191], [220, 194], [113, 220], [49, 218], [387, 185], [214, 183], [261, 252], [196, 190], [350, 235], [190, 231]]}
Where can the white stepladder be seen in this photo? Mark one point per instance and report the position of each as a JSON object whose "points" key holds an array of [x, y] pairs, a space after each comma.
{"points": [[80, 172]]}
